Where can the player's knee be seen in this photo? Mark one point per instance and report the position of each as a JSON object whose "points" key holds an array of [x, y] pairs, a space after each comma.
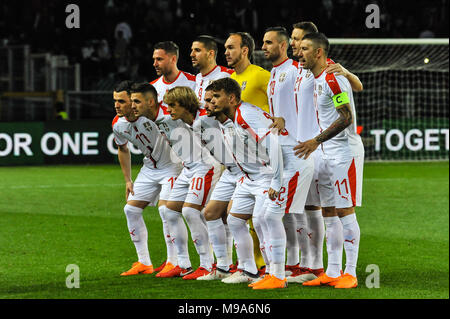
{"points": [[191, 215], [132, 210], [171, 216], [233, 221]]}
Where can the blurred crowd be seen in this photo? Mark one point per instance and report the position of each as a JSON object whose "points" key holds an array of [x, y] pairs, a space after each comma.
{"points": [[116, 37]]}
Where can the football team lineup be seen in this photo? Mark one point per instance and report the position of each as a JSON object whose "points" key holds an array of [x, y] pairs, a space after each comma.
{"points": [[251, 186]]}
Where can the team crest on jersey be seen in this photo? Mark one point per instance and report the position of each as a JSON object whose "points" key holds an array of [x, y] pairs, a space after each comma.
{"points": [[282, 77], [147, 126], [320, 90], [244, 84], [308, 74]]}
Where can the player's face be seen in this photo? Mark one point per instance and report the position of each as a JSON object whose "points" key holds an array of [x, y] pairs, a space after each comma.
{"points": [[176, 110], [209, 107], [140, 103], [162, 62], [308, 54], [271, 46], [122, 103], [199, 55], [219, 101], [233, 50], [296, 39]]}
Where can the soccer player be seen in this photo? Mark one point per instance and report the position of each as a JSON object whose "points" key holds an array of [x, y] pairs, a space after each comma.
{"points": [[201, 171], [253, 80], [342, 161], [154, 178], [216, 209], [297, 174], [165, 58], [203, 55], [258, 154], [311, 229]]}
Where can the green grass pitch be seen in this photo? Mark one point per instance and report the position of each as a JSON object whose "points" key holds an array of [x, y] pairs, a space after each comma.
{"points": [[51, 217]]}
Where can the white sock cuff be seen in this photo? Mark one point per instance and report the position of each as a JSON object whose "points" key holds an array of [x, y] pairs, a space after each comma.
{"points": [[330, 220], [313, 213], [190, 210], [349, 219], [214, 224], [162, 209], [235, 220], [132, 209]]}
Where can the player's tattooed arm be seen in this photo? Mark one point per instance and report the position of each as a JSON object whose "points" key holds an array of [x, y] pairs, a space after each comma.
{"points": [[344, 120], [304, 149]]}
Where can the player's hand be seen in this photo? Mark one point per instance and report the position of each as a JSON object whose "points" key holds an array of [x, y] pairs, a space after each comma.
{"points": [[129, 189], [336, 68], [278, 124], [304, 149], [273, 194]]}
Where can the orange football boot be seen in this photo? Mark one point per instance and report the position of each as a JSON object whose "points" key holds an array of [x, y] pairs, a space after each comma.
{"points": [[158, 269], [138, 268], [198, 273], [176, 272], [347, 281], [272, 283], [323, 279], [168, 267], [264, 278]]}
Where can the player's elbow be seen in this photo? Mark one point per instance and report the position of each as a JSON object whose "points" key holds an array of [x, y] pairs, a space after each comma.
{"points": [[359, 87]]}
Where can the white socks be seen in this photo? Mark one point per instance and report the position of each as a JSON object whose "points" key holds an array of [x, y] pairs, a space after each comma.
{"points": [[179, 235], [335, 239], [138, 232], [316, 234], [244, 243], [277, 244], [351, 242], [229, 242], [292, 247], [199, 234], [304, 242], [171, 249], [218, 238], [260, 226]]}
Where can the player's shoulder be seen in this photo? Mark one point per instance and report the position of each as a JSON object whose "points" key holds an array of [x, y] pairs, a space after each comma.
{"points": [[257, 70], [119, 121], [226, 70], [115, 120], [248, 110], [155, 81], [337, 83], [188, 76]]}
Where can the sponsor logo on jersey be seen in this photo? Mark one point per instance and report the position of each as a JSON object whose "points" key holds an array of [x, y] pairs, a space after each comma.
{"points": [[308, 74], [320, 90], [282, 77], [244, 84]]}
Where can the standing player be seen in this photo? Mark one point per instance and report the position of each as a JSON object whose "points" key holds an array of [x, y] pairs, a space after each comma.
{"points": [[258, 154], [342, 161], [203, 56], [165, 58], [311, 230], [154, 178], [253, 80], [297, 174]]}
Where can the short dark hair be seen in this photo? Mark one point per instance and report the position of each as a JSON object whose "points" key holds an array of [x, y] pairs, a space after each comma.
{"points": [[208, 42], [246, 41], [306, 26], [282, 33], [229, 85], [145, 87], [319, 40], [168, 46], [124, 86]]}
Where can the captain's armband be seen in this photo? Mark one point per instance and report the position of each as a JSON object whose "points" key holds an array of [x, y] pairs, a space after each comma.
{"points": [[340, 99]]}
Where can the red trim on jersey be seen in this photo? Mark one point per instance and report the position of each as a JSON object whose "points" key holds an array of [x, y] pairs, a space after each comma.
{"points": [[116, 118], [189, 76], [155, 80], [179, 72], [292, 188], [210, 71], [359, 129], [320, 74], [227, 70], [352, 180], [202, 112], [208, 182], [333, 83], [295, 63], [280, 63], [240, 120], [329, 61]]}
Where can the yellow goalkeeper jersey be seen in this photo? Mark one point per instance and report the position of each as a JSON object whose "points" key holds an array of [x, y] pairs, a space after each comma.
{"points": [[253, 82]]}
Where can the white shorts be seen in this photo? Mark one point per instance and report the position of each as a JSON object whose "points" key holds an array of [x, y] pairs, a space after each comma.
{"points": [[250, 195], [297, 176], [194, 186], [224, 189], [345, 176], [153, 182]]}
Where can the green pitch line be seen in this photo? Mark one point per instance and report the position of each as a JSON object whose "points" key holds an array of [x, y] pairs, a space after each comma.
{"points": [[51, 217]]}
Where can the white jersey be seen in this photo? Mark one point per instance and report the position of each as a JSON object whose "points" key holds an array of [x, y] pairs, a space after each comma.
{"points": [[209, 131], [145, 135], [255, 149], [326, 86], [281, 100], [182, 79], [202, 81], [185, 144]]}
